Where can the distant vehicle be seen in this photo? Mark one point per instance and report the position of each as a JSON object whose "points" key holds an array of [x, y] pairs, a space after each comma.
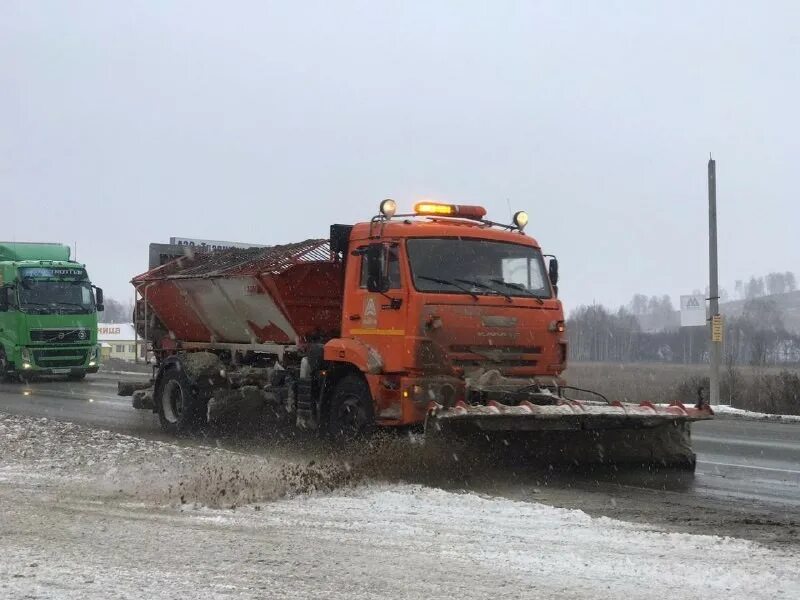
{"points": [[48, 313], [439, 318]]}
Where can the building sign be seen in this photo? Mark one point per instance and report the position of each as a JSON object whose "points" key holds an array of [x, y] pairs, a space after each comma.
{"points": [[199, 244], [108, 330], [693, 310]]}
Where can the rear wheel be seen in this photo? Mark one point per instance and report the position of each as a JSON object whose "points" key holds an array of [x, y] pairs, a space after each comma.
{"points": [[180, 410], [352, 415]]}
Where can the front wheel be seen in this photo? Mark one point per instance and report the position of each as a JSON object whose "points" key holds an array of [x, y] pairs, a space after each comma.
{"points": [[76, 377], [180, 410], [6, 371], [352, 415]]}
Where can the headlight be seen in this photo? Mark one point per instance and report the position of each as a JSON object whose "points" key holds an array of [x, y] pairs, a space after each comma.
{"points": [[26, 355]]}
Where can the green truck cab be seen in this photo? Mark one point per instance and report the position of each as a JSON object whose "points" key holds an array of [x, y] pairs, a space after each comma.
{"points": [[48, 313]]}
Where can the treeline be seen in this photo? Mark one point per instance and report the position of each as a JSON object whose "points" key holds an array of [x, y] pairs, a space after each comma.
{"points": [[756, 337], [770, 284], [756, 287]]}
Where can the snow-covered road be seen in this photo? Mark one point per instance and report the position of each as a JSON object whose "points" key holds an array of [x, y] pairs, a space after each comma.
{"points": [[91, 514]]}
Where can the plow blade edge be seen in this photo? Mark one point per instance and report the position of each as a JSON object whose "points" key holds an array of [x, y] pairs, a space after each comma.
{"points": [[575, 433]]}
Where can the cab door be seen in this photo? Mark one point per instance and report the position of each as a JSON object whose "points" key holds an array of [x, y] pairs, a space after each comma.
{"points": [[379, 319]]}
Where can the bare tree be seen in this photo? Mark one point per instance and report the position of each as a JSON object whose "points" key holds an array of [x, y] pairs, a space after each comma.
{"points": [[116, 312], [638, 304], [776, 283], [596, 334], [764, 327], [755, 288], [791, 282]]}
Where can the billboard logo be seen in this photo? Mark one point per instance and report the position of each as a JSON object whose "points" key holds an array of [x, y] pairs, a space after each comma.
{"points": [[693, 310]]}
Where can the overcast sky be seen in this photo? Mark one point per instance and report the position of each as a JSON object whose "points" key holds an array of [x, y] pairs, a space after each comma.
{"points": [[123, 123]]}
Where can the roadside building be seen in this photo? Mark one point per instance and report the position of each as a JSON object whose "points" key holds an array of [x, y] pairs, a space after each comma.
{"points": [[117, 340]]}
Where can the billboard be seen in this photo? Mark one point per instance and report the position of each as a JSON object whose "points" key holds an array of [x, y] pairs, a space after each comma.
{"points": [[693, 310]]}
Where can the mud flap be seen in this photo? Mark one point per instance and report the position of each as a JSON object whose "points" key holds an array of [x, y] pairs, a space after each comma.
{"points": [[571, 433]]}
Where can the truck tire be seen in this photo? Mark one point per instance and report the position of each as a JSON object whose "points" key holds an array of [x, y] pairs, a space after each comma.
{"points": [[351, 415], [6, 372], [76, 377], [180, 410]]}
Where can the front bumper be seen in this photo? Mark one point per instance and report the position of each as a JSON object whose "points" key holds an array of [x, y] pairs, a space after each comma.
{"points": [[60, 371], [59, 360]]}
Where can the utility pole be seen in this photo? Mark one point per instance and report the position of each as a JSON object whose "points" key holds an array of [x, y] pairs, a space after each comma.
{"points": [[715, 322], [135, 332]]}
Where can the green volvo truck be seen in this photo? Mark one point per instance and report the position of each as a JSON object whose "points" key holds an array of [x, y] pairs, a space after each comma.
{"points": [[48, 313]]}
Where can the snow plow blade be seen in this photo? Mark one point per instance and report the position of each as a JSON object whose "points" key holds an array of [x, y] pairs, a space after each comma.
{"points": [[573, 432]]}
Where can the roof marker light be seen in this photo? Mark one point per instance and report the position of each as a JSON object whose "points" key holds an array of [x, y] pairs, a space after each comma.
{"points": [[434, 209]]}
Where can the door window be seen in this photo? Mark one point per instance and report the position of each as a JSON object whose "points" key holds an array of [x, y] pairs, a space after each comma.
{"points": [[392, 255]]}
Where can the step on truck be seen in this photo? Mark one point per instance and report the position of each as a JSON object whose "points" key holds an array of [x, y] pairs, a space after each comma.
{"points": [[438, 319], [48, 313]]}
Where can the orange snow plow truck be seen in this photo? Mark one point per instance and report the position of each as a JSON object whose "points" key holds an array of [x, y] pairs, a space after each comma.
{"points": [[439, 319]]}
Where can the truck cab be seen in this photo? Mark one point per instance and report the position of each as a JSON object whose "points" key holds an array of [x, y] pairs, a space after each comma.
{"points": [[437, 300], [48, 313]]}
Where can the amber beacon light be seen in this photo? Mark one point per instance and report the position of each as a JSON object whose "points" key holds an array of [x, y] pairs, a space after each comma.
{"points": [[463, 211]]}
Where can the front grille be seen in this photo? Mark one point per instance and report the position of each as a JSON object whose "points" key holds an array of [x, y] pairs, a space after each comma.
{"points": [[501, 356], [60, 336], [66, 357]]}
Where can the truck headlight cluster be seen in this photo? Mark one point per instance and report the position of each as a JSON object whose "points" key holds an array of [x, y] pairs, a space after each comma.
{"points": [[27, 360], [423, 394]]}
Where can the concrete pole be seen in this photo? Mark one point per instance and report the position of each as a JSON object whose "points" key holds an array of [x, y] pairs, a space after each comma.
{"points": [[713, 283]]}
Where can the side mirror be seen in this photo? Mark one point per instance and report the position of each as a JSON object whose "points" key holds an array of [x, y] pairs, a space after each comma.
{"points": [[377, 281], [4, 304], [98, 299], [552, 272]]}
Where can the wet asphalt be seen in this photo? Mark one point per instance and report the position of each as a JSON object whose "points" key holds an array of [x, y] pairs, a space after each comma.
{"points": [[739, 461]]}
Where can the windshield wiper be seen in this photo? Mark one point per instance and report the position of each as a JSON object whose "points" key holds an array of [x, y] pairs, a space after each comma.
{"points": [[448, 282], [52, 306], [75, 304], [31, 305], [486, 287], [520, 288]]}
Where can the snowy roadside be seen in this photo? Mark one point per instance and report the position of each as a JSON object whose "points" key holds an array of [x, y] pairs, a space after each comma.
{"points": [[93, 514], [725, 410], [729, 411]]}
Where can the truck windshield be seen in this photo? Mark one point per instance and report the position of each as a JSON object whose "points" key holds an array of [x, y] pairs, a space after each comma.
{"points": [[472, 266], [56, 296]]}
